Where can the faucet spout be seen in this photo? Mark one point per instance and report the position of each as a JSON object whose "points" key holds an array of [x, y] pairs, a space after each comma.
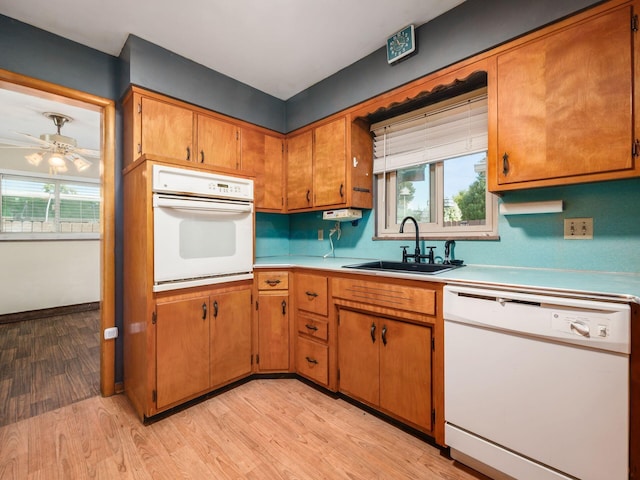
{"points": [[417, 252]]}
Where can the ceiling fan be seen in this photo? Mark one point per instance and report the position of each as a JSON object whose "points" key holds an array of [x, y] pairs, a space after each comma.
{"points": [[58, 149]]}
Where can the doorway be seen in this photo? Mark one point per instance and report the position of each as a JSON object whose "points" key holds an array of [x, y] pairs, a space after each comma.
{"points": [[104, 229]]}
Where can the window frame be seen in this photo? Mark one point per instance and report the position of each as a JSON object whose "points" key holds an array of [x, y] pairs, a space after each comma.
{"points": [[385, 198], [50, 236]]}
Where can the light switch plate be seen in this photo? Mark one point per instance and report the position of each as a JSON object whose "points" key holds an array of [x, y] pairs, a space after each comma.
{"points": [[578, 228]]}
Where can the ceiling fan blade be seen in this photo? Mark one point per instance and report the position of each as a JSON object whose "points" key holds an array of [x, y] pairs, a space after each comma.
{"points": [[88, 152], [44, 143]]}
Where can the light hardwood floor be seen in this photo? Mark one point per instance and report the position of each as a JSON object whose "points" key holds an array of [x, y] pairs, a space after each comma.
{"points": [[264, 429]]}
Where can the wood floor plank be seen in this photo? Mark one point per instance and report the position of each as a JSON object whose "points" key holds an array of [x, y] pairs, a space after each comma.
{"points": [[265, 429]]}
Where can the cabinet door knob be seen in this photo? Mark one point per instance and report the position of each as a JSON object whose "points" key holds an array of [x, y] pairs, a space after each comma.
{"points": [[201, 156], [188, 153], [505, 163], [215, 309], [284, 307], [373, 333], [341, 190], [204, 311], [308, 198], [384, 335]]}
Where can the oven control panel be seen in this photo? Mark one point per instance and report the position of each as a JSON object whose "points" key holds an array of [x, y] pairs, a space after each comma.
{"points": [[182, 181]]}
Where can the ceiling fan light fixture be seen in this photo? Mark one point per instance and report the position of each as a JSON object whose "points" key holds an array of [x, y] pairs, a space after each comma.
{"points": [[34, 158], [81, 164], [56, 161]]}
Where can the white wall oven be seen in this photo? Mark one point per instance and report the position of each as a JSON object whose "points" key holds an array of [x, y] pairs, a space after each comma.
{"points": [[203, 228]]}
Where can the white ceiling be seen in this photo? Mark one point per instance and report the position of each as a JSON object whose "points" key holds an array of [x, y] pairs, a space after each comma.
{"points": [[280, 47]]}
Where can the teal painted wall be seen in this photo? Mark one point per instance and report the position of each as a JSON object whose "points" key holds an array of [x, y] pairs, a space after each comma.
{"points": [[525, 240]]}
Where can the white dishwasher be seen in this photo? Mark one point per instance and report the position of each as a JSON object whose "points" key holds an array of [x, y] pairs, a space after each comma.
{"points": [[536, 385]]}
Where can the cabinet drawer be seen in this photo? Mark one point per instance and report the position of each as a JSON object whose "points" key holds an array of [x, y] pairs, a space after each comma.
{"points": [[312, 360], [273, 280], [310, 326], [397, 297], [311, 293]]}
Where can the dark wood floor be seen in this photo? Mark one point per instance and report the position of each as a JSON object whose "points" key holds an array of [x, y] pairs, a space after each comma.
{"points": [[48, 363]]}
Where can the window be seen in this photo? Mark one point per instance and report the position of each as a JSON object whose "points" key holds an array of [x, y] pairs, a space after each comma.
{"points": [[431, 164], [48, 208]]}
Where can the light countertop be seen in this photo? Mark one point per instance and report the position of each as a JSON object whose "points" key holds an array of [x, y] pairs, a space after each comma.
{"points": [[608, 285]]}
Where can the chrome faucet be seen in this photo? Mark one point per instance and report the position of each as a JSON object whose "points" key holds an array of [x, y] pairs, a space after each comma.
{"points": [[447, 249], [417, 255]]}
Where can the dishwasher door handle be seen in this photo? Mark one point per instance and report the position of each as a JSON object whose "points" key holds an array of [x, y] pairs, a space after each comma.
{"points": [[580, 328]]}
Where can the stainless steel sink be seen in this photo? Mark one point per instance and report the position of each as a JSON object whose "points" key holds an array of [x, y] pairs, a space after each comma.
{"points": [[405, 267]]}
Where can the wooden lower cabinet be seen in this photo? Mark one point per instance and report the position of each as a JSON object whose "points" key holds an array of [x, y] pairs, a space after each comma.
{"points": [[202, 341], [182, 346], [230, 339], [272, 322], [387, 364]]}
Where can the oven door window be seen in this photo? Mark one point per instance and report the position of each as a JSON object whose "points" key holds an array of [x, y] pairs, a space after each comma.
{"points": [[222, 235]]}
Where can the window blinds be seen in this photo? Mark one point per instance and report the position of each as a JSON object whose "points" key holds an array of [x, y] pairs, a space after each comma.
{"points": [[431, 135]]}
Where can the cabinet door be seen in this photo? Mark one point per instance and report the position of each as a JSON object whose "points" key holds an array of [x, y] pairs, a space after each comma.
{"points": [[329, 163], [166, 129], [273, 332], [182, 349], [230, 345], [217, 143], [300, 171], [358, 340], [263, 156], [405, 371], [564, 102]]}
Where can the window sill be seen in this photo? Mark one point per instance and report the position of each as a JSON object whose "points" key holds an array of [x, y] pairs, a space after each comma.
{"points": [[436, 236], [36, 237]]}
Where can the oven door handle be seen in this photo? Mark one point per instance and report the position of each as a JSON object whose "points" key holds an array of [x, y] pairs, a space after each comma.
{"points": [[160, 201]]}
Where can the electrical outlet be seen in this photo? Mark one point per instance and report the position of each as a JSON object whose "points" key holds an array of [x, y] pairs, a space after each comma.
{"points": [[111, 332], [578, 228], [320, 234]]}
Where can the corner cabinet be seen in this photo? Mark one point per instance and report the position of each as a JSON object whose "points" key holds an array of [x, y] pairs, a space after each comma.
{"points": [[155, 125], [273, 330], [329, 165], [564, 102]]}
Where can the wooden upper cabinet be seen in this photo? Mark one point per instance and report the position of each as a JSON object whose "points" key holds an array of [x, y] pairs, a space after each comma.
{"points": [[329, 177], [564, 104], [263, 156], [300, 171], [164, 129], [218, 143], [329, 166]]}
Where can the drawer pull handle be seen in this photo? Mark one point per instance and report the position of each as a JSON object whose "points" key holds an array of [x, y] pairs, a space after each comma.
{"points": [[312, 360], [311, 294], [311, 327], [272, 283]]}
